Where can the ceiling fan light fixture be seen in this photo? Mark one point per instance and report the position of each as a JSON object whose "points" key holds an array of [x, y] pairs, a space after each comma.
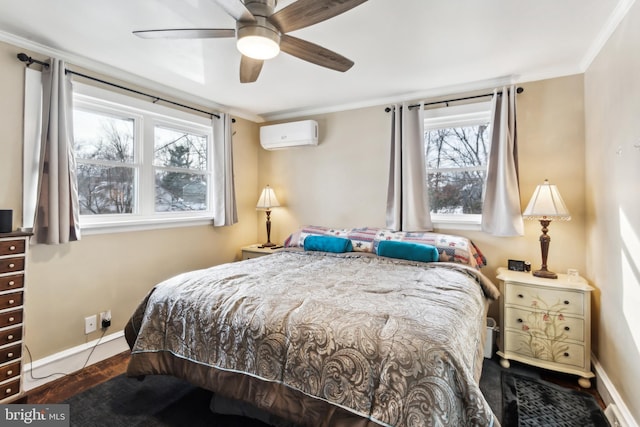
{"points": [[258, 42]]}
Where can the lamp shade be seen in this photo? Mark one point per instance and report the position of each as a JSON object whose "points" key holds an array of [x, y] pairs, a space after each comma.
{"points": [[267, 199], [546, 203]]}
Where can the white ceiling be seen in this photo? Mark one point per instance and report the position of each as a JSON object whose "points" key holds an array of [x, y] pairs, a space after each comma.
{"points": [[402, 49]]}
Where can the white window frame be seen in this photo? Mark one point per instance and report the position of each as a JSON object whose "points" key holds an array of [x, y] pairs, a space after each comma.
{"points": [[458, 116], [147, 116]]}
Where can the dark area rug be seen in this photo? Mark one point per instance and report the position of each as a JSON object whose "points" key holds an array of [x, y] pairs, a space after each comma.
{"points": [[531, 402], [170, 402], [156, 401]]}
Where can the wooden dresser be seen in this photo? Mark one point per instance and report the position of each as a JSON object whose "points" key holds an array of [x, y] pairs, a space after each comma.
{"points": [[13, 253], [546, 322]]}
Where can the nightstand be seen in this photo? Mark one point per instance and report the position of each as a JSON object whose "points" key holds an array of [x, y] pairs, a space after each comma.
{"points": [[255, 251], [546, 322]]}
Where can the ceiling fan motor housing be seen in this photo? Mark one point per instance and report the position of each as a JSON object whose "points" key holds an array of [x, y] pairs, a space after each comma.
{"points": [[262, 8], [260, 28]]}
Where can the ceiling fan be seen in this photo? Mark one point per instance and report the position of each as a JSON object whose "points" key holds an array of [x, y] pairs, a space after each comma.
{"points": [[261, 32]]}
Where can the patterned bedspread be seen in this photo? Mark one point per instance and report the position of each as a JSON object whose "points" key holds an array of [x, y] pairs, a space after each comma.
{"points": [[325, 339]]}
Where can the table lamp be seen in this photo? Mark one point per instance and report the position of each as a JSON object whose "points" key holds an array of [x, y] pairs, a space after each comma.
{"points": [[545, 205], [267, 201]]}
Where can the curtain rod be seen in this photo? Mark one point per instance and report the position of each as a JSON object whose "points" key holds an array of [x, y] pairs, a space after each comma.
{"points": [[447, 101], [29, 60]]}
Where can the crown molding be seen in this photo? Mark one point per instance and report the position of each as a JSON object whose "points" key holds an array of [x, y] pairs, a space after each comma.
{"points": [[616, 17]]}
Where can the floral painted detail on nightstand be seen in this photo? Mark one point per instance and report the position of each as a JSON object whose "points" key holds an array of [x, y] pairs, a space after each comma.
{"points": [[546, 331]]}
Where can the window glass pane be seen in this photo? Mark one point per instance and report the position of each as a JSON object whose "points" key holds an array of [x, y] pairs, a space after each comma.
{"points": [[177, 149], [456, 157], [177, 191], [457, 147], [456, 192], [105, 190], [103, 137]]}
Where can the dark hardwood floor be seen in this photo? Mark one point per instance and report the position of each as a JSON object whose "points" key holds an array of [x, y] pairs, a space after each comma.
{"points": [[67, 386], [62, 388]]}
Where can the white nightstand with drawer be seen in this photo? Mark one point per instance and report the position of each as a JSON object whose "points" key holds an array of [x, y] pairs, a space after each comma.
{"points": [[546, 322]]}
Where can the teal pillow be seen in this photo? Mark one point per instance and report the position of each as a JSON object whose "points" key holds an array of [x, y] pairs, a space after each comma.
{"points": [[327, 244], [408, 250]]}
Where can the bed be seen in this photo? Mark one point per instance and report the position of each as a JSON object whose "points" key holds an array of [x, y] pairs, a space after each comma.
{"points": [[327, 337]]}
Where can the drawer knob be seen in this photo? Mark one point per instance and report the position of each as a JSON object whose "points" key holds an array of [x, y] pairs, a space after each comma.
{"points": [[9, 354], [7, 391], [11, 283], [9, 372], [566, 328], [12, 248], [520, 296], [12, 265], [520, 320], [11, 319], [566, 302], [12, 301], [566, 354], [10, 337]]}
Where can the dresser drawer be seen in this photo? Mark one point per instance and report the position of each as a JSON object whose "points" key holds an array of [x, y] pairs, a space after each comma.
{"points": [[11, 247], [15, 281], [10, 353], [552, 325], [9, 389], [9, 371], [9, 265], [545, 299], [11, 300], [9, 336], [553, 351], [10, 318]]}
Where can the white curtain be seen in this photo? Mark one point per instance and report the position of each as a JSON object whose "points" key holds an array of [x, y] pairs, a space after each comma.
{"points": [[57, 210], [224, 211], [407, 195], [501, 212]]}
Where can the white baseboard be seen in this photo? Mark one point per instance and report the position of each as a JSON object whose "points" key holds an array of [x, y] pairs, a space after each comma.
{"points": [[610, 394], [52, 367]]}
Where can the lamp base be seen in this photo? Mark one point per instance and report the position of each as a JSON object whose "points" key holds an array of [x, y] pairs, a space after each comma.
{"points": [[545, 274], [267, 245]]}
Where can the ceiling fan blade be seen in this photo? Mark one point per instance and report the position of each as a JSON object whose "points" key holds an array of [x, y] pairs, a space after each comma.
{"points": [[237, 10], [303, 13], [187, 33], [250, 69], [313, 53]]}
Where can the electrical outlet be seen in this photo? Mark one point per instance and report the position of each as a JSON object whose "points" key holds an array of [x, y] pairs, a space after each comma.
{"points": [[89, 324], [105, 319]]}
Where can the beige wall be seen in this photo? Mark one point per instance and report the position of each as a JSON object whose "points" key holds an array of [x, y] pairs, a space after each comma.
{"points": [[612, 99], [65, 283], [343, 181]]}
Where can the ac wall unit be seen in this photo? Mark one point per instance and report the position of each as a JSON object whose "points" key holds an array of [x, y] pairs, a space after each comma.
{"points": [[287, 135]]}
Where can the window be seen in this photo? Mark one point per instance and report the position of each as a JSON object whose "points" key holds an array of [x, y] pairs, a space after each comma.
{"points": [[457, 144], [138, 163]]}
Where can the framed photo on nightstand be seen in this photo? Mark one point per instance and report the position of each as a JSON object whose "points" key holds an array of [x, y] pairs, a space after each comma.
{"points": [[516, 265]]}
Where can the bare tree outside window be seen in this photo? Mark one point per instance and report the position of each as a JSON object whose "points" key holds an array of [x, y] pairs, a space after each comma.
{"points": [[108, 168], [181, 164], [456, 168], [104, 149]]}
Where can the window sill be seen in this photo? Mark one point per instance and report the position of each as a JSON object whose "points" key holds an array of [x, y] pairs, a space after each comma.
{"points": [[140, 224], [468, 223]]}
